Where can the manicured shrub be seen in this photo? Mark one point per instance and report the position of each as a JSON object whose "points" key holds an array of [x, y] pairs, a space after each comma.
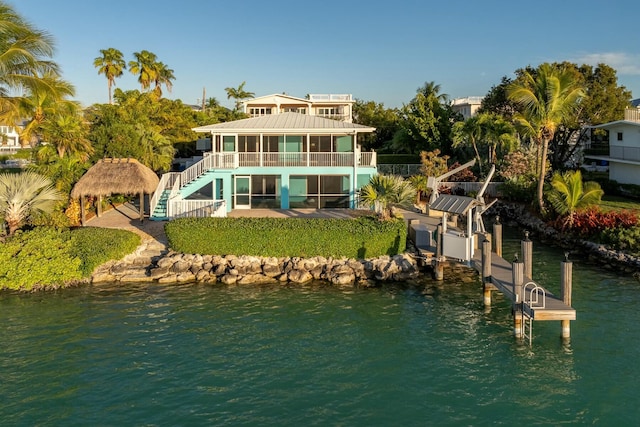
{"points": [[49, 258], [364, 237], [38, 258], [95, 246]]}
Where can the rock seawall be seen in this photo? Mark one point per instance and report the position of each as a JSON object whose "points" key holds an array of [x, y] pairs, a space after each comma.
{"points": [[595, 253], [230, 269]]}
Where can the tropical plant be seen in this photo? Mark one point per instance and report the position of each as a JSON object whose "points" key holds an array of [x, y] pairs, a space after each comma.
{"points": [[23, 193], [546, 99], [67, 132], [384, 192], [144, 66], [239, 94], [25, 53], [111, 64], [568, 194], [163, 76]]}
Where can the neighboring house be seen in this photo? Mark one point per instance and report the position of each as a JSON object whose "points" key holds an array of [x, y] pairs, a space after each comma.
{"points": [[284, 161], [331, 106], [624, 148], [9, 140], [468, 106]]}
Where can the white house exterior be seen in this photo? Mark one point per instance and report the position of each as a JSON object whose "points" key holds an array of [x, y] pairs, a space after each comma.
{"points": [[624, 148], [9, 140], [330, 106], [277, 161], [468, 106]]}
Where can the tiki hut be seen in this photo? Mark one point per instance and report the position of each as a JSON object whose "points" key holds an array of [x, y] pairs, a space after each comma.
{"points": [[115, 176]]}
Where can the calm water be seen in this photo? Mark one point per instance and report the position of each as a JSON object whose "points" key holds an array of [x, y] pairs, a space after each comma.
{"points": [[315, 355]]}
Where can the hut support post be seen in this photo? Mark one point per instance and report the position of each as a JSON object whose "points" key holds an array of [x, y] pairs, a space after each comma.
{"points": [[99, 207], [141, 206], [527, 255], [486, 272], [518, 282], [438, 270], [83, 218], [497, 236], [566, 268]]}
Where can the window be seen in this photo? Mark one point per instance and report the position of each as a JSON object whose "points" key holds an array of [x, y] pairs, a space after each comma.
{"points": [[248, 144], [619, 136], [265, 191], [299, 110], [318, 191], [259, 111]]}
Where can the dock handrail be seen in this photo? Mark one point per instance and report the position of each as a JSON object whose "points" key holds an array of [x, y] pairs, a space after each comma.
{"points": [[539, 292]]}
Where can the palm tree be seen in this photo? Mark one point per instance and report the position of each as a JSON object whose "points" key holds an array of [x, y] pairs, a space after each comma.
{"points": [[25, 52], [111, 64], [470, 132], [163, 76], [384, 192], [24, 193], [42, 100], [432, 90], [499, 133], [568, 194], [144, 66], [68, 134], [546, 98], [238, 94]]}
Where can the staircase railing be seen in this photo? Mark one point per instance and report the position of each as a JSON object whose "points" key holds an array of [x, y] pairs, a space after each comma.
{"points": [[166, 180]]}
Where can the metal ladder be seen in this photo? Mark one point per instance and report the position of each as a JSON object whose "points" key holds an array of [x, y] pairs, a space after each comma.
{"points": [[533, 297]]}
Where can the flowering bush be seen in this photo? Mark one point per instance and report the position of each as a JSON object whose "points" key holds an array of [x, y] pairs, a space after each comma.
{"points": [[593, 221]]}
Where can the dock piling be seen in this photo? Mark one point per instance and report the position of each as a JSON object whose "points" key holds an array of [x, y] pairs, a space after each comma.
{"points": [[527, 255], [518, 283], [497, 236], [438, 269], [486, 272], [566, 278]]}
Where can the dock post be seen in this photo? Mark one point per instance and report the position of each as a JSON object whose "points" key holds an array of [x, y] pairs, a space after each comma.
{"points": [[497, 236], [518, 282], [438, 270], [566, 268], [486, 272], [527, 255]]}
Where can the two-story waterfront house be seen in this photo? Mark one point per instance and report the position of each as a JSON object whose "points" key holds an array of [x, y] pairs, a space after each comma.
{"points": [[287, 160], [331, 106], [9, 139], [624, 148]]}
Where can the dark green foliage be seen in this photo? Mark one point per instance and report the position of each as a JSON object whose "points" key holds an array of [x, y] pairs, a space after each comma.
{"points": [[95, 246], [518, 190], [51, 258], [398, 159], [623, 239], [365, 237]]}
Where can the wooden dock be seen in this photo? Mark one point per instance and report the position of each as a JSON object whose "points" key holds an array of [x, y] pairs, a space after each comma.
{"points": [[530, 301]]}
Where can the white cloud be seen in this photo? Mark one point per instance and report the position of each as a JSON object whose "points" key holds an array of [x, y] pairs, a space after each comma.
{"points": [[623, 63]]}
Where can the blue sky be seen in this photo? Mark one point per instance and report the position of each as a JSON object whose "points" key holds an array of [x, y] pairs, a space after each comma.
{"points": [[377, 51]]}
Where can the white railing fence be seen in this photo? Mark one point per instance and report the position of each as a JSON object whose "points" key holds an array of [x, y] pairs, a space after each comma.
{"points": [[197, 208], [167, 181]]}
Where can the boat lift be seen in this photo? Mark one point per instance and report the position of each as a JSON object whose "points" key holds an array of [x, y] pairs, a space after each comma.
{"points": [[460, 243]]}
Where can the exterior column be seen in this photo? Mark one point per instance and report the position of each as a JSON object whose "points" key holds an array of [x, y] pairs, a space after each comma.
{"points": [[497, 236], [527, 255], [486, 272]]}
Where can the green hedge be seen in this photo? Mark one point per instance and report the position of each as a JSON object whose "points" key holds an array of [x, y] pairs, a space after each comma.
{"points": [[51, 258], [361, 238]]}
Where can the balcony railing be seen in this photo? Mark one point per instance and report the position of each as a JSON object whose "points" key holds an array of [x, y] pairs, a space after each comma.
{"points": [[181, 208], [624, 153], [632, 114], [329, 97], [367, 159]]}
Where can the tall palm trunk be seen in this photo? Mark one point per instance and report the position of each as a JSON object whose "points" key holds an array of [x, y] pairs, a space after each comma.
{"points": [[542, 173]]}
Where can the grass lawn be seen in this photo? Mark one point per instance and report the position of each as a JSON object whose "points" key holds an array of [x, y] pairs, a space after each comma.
{"points": [[611, 203]]}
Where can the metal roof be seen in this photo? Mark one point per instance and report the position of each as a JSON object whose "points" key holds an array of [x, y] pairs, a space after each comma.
{"points": [[453, 204], [285, 122]]}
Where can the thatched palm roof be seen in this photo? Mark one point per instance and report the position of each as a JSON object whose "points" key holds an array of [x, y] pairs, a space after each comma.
{"points": [[116, 176]]}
